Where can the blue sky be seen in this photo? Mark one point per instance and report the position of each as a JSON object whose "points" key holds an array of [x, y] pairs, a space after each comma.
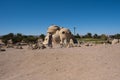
{"points": [[32, 17]]}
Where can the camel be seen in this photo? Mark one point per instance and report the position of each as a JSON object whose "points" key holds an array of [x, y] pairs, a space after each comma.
{"points": [[60, 36]]}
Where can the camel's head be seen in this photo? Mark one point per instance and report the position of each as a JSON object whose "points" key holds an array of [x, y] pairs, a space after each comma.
{"points": [[52, 29], [65, 33]]}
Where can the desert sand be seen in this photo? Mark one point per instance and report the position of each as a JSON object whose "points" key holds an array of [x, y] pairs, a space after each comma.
{"points": [[100, 62]]}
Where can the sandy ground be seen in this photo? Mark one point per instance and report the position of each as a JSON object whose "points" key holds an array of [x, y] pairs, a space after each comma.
{"points": [[100, 62]]}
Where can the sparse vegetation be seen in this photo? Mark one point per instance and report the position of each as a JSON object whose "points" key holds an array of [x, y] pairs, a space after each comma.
{"points": [[89, 37], [19, 37], [96, 38]]}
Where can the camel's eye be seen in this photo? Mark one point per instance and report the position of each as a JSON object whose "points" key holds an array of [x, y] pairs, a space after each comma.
{"points": [[63, 32]]}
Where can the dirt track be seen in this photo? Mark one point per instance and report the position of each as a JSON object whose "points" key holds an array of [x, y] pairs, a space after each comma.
{"points": [[101, 62]]}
